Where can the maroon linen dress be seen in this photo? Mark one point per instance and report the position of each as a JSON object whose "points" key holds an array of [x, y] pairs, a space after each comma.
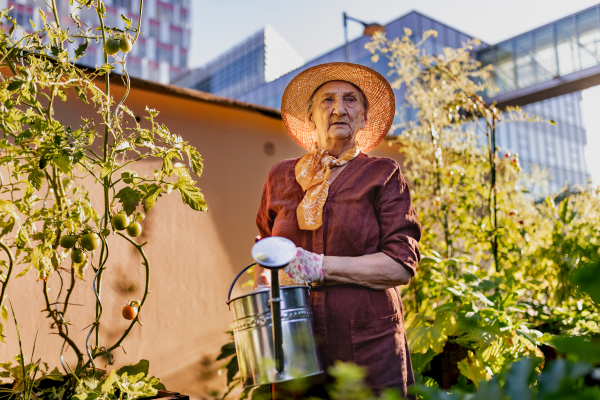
{"points": [[368, 210]]}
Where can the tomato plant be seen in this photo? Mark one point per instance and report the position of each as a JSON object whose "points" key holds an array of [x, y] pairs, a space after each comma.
{"points": [[46, 200]]}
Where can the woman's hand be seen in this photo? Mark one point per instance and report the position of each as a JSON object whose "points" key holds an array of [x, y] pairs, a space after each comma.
{"points": [[261, 277], [307, 267], [377, 271]]}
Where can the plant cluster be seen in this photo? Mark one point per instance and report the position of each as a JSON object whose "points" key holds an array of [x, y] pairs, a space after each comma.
{"points": [[48, 221], [503, 278], [493, 286]]}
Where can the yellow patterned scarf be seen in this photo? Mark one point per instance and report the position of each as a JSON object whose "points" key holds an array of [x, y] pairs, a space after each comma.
{"points": [[313, 172]]}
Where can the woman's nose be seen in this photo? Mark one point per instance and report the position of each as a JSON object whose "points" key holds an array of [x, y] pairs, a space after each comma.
{"points": [[338, 107]]}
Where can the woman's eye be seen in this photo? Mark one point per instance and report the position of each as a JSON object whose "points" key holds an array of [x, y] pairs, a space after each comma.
{"points": [[350, 99]]}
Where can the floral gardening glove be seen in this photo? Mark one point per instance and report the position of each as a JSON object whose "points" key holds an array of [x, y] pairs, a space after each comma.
{"points": [[307, 267]]}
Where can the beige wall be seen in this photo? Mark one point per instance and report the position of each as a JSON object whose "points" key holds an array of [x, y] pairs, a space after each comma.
{"points": [[193, 256]]}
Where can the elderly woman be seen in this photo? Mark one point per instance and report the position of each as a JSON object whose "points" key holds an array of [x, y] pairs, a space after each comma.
{"points": [[351, 217]]}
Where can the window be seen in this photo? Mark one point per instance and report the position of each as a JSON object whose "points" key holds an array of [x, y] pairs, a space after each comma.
{"points": [[545, 54], [183, 58], [22, 14], [164, 11], [566, 47], [139, 50], [176, 35], [183, 17], [153, 71], [523, 61], [154, 29], [239, 69], [589, 38], [164, 52], [123, 3], [505, 67], [134, 67]]}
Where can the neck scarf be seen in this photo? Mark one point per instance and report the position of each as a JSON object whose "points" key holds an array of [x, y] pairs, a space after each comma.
{"points": [[313, 172]]}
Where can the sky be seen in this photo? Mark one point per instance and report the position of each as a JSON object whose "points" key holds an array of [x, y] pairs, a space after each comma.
{"points": [[314, 27]]}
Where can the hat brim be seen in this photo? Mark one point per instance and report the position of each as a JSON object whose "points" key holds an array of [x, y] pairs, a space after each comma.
{"points": [[379, 93]]}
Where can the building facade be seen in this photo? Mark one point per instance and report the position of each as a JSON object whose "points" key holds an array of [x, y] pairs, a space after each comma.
{"points": [[536, 57], [260, 59], [160, 54]]}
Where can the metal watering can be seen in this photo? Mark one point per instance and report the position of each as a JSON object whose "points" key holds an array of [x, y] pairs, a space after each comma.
{"points": [[274, 331]]}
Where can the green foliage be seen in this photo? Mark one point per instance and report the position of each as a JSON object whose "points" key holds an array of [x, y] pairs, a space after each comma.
{"points": [[130, 382], [507, 267], [49, 169], [495, 276]]}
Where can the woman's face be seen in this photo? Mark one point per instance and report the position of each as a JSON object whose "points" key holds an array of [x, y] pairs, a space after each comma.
{"points": [[337, 114]]}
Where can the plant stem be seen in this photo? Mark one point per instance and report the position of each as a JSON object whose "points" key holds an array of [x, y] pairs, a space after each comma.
{"points": [[137, 33], [146, 264], [8, 274], [59, 325], [69, 291], [104, 159], [493, 195], [55, 12]]}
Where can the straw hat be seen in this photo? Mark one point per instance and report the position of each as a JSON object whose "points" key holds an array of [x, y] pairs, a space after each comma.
{"points": [[382, 102]]}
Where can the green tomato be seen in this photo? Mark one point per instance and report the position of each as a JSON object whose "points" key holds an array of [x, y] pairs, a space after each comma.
{"points": [[125, 45], [90, 241], [111, 47], [134, 229], [67, 241], [135, 303], [119, 221], [78, 256]]}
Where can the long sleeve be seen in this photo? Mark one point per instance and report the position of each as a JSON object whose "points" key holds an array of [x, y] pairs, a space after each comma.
{"points": [[264, 222], [399, 229]]}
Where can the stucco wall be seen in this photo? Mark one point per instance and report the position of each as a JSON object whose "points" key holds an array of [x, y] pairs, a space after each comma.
{"points": [[193, 256]]}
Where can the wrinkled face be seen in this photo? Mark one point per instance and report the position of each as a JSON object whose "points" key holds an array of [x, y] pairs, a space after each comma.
{"points": [[337, 113]]}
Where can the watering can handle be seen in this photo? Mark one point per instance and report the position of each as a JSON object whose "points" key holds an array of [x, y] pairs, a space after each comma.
{"points": [[235, 280]]}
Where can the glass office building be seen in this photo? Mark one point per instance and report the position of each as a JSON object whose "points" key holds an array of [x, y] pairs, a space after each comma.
{"points": [[544, 57], [261, 58], [160, 55]]}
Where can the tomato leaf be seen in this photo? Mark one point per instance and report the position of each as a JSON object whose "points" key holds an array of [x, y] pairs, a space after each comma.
{"points": [[127, 21], [4, 311], [195, 159], [190, 194], [14, 85], [151, 193], [81, 93], [227, 350], [129, 198], [106, 169], [26, 270], [22, 238], [63, 161], [232, 369], [7, 226], [135, 369], [80, 50], [36, 178], [6, 206]]}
